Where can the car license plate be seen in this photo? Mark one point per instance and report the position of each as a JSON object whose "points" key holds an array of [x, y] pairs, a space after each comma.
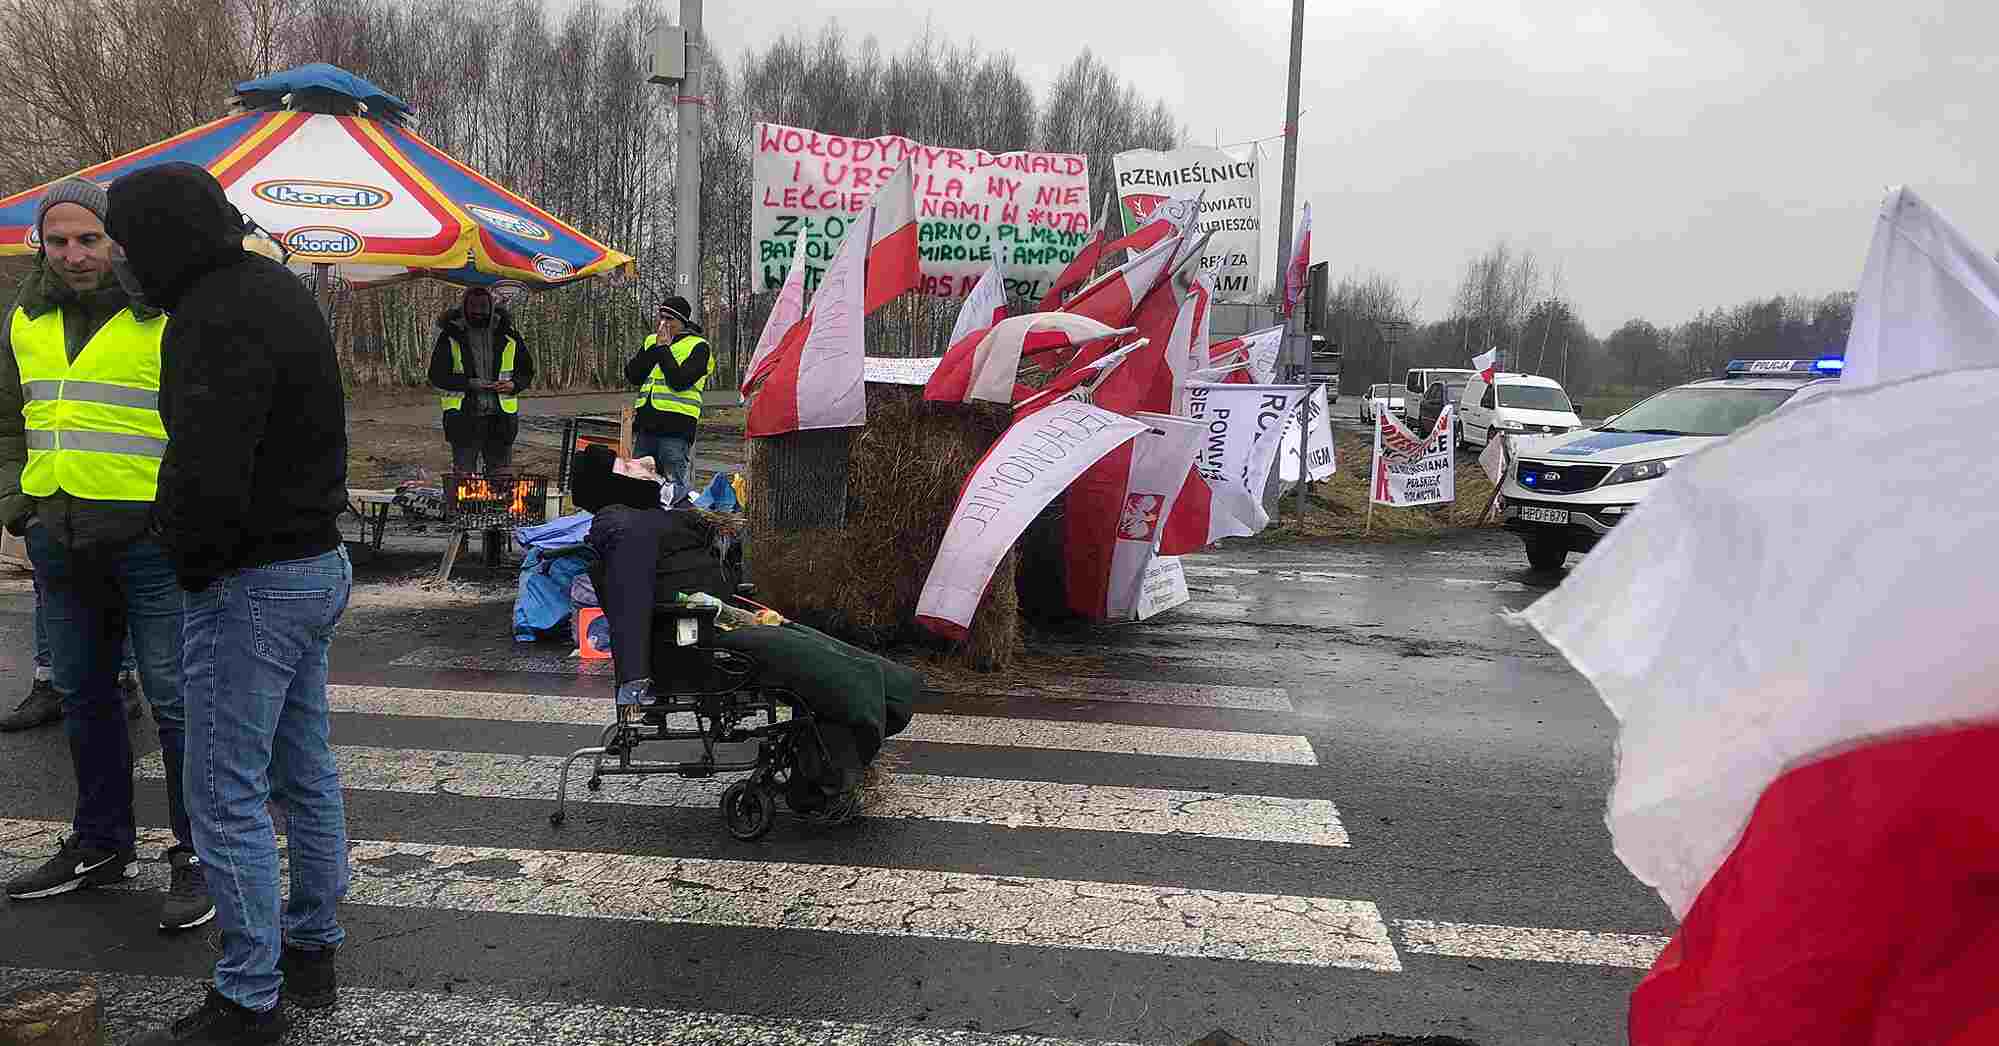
{"points": [[1533, 514]]}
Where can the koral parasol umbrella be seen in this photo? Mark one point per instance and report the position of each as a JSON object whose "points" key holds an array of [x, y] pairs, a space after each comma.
{"points": [[326, 163]]}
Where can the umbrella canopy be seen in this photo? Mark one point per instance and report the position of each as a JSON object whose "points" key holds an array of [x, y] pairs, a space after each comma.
{"points": [[325, 162]]}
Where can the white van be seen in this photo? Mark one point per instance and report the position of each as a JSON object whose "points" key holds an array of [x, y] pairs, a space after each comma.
{"points": [[1515, 404], [1421, 378]]}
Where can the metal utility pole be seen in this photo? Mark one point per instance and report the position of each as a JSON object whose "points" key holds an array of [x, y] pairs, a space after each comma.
{"points": [[687, 107], [1301, 358]]}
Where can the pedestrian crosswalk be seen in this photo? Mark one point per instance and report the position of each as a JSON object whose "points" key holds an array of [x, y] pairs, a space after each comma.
{"points": [[1088, 792]]}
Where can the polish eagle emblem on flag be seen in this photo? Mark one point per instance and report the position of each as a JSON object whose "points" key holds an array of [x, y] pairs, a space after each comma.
{"points": [[1140, 519]]}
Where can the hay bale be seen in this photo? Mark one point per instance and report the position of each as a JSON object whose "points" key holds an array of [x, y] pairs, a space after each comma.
{"points": [[858, 575]]}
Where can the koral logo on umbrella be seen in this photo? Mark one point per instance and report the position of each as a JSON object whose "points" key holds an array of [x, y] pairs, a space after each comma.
{"points": [[508, 223], [323, 241], [325, 196], [553, 268]]}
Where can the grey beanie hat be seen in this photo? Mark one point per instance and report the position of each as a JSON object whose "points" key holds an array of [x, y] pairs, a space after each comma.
{"points": [[80, 191]]}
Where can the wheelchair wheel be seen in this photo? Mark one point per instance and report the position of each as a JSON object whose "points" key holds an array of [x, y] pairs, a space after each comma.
{"points": [[748, 810]]}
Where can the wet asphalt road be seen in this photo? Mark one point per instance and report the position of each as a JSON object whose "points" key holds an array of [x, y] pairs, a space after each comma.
{"points": [[1468, 766]]}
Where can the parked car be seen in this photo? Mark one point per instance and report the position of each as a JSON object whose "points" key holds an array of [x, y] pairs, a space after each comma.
{"points": [[1432, 406], [1565, 493], [1384, 394], [1419, 381], [1514, 404]]}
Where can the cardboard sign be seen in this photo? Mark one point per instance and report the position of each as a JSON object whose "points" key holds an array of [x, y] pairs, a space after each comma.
{"points": [[1164, 588]]}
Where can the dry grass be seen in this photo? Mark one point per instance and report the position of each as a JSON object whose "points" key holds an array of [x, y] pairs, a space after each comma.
{"points": [[861, 582], [1337, 508]]}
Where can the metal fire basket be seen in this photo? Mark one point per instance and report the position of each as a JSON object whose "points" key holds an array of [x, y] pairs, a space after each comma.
{"points": [[503, 500]]}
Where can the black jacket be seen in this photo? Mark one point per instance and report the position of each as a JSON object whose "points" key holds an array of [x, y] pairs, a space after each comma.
{"points": [[250, 390], [681, 376], [451, 327]]}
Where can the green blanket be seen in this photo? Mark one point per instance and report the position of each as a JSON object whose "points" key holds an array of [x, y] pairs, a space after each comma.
{"points": [[839, 682]]}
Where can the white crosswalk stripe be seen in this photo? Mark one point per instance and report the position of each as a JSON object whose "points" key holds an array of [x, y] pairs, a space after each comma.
{"points": [[134, 1003], [1047, 734], [889, 902], [965, 800]]}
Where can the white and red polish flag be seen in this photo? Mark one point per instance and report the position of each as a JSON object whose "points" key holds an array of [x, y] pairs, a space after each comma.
{"points": [[785, 312], [1115, 296], [1486, 364], [984, 364], [1039, 455], [1078, 271], [1799, 645], [1222, 494], [893, 262], [1159, 459], [1261, 348], [984, 307], [815, 378], [1298, 269]]}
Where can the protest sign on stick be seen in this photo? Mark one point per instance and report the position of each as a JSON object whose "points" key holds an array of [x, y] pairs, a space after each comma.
{"points": [[1409, 470]]}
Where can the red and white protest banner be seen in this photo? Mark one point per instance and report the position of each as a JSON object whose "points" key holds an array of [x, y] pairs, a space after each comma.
{"points": [[1028, 211], [983, 365], [1412, 470], [1037, 457], [1261, 349]]}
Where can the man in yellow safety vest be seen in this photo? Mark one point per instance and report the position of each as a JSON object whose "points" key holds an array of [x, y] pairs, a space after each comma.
{"points": [[671, 370], [480, 366], [81, 442]]}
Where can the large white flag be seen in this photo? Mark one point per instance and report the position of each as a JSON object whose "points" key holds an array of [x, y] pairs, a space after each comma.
{"points": [[1928, 301], [1325, 460], [984, 307], [1033, 461]]}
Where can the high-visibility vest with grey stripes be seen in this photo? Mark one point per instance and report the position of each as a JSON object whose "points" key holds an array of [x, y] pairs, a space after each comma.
{"points": [[93, 426], [665, 398]]}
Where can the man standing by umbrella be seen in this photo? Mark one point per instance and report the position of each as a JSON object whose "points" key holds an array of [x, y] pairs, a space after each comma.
{"points": [[481, 366], [251, 491], [80, 448], [671, 371]]}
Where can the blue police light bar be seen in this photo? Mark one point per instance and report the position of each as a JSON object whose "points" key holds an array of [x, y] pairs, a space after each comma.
{"points": [[1739, 368], [1831, 365]]}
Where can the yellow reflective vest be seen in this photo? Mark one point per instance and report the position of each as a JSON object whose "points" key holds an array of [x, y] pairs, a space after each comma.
{"points": [[511, 404], [93, 426], [665, 398]]}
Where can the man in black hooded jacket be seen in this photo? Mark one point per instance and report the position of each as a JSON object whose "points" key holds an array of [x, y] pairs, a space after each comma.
{"points": [[251, 489]]}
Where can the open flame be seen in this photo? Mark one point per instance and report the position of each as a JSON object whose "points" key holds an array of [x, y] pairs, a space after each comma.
{"points": [[477, 489]]}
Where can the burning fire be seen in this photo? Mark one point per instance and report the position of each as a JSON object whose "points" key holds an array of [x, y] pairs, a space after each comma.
{"points": [[477, 489]]}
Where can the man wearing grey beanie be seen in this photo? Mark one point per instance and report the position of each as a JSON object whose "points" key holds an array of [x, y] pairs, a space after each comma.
{"points": [[81, 441]]}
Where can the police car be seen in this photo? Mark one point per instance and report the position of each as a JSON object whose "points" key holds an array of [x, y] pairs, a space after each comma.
{"points": [[1564, 493]]}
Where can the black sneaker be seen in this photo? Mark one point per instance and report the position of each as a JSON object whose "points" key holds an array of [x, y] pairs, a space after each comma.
{"points": [[187, 905], [219, 1022], [309, 976], [41, 707], [74, 867]]}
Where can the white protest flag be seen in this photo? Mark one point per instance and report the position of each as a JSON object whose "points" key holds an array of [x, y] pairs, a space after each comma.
{"points": [[1928, 300], [1494, 457], [815, 378], [1413, 471], [1223, 494], [1486, 364], [985, 364], [1159, 461], [1037, 458], [1261, 348], [984, 307], [1796, 636], [1325, 460]]}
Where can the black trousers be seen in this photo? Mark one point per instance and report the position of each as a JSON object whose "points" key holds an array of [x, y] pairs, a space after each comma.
{"points": [[473, 436], [644, 557]]}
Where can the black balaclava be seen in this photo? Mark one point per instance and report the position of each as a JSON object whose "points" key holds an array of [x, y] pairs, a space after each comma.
{"points": [[174, 225]]}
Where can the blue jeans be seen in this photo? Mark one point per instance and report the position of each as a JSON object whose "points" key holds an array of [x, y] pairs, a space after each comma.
{"points": [[42, 662], [254, 668], [673, 454], [92, 601]]}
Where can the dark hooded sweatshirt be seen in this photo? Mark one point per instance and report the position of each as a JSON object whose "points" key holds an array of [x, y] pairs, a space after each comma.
{"points": [[250, 393]]}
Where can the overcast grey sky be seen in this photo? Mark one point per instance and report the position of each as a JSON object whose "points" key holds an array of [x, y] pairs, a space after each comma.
{"points": [[1670, 155]]}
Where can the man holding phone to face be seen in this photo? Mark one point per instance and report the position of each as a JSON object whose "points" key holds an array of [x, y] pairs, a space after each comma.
{"points": [[671, 370]]}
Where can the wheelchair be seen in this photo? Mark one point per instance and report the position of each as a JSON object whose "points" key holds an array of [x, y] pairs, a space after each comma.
{"points": [[719, 688]]}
